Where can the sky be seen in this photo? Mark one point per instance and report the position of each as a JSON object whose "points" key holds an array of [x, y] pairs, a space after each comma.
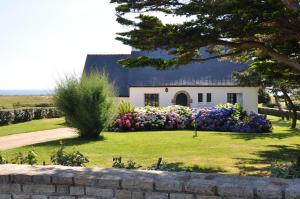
{"points": [[43, 40]]}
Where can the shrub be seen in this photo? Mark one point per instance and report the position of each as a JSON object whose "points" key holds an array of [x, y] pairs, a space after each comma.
{"points": [[285, 170], [254, 123], [74, 158], [30, 158], [221, 118], [150, 118], [23, 115], [6, 117], [215, 119], [40, 113], [53, 113], [263, 96], [125, 107], [87, 103]]}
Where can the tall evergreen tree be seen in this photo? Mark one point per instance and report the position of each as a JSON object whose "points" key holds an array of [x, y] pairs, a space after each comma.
{"points": [[239, 29]]}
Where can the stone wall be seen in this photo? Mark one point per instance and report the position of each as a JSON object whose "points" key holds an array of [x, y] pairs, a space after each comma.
{"points": [[56, 182]]}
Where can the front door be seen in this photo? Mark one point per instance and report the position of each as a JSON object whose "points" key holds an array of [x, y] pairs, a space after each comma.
{"points": [[182, 99]]}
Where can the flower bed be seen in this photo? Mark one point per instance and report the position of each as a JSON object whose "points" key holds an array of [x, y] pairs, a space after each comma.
{"points": [[219, 118]]}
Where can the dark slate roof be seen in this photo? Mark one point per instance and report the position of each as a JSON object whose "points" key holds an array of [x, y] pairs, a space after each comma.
{"points": [[210, 73]]}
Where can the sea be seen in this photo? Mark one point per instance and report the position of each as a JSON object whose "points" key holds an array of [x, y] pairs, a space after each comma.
{"points": [[25, 92]]}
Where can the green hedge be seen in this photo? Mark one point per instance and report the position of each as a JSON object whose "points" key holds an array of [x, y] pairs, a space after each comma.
{"points": [[275, 112], [8, 116]]}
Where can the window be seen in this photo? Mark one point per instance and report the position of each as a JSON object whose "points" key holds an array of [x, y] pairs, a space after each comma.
{"points": [[208, 97], [200, 97], [151, 99], [231, 98]]}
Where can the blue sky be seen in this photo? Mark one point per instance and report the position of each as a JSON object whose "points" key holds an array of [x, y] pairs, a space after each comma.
{"points": [[42, 40]]}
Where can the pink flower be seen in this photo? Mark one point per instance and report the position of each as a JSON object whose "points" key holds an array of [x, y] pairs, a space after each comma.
{"points": [[138, 125], [128, 123], [119, 121]]}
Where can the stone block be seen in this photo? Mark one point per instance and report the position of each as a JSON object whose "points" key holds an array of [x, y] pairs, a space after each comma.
{"points": [[105, 193], [85, 181], [137, 195], [269, 192], [209, 197], [181, 196], [109, 181], [138, 183], [156, 195], [4, 179], [292, 192], [42, 179], [62, 197], [168, 185], [39, 197], [38, 189], [62, 189], [236, 190], [20, 178], [10, 188], [202, 187], [5, 196], [123, 194], [17, 196], [76, 190], [62, 180]]}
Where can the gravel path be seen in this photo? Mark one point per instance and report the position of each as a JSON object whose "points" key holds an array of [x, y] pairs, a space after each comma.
{"points": [[23, 139]]}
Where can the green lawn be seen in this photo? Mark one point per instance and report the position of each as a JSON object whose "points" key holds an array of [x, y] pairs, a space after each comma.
{"points": [[35, 125], [24, 101], [211, 151]]}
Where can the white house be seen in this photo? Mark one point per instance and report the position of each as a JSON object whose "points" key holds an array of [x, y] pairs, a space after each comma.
{"points": [[195, 85]]}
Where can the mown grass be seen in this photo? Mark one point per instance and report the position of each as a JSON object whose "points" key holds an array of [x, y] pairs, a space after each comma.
{"points": [[35, 125], [225, 152], [24, 101]]}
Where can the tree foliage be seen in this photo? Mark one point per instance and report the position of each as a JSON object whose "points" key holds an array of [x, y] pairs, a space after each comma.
{"points": [[268, 73], [240, 30]]}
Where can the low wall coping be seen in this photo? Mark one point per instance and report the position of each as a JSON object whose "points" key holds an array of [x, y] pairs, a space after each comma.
{"points": [[152, 181]]}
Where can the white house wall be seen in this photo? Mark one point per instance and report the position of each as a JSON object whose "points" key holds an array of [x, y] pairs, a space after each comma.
{"points": [[218, 95]]}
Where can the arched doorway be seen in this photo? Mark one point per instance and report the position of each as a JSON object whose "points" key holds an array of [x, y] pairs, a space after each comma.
{"points": [[182, 99]]}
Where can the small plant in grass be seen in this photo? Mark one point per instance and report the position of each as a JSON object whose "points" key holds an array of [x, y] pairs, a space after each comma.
{"points": [[117, 163], [87, 102], [21, 158], [74, 158], [2, 159], [286, 170], [132, 165]]}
